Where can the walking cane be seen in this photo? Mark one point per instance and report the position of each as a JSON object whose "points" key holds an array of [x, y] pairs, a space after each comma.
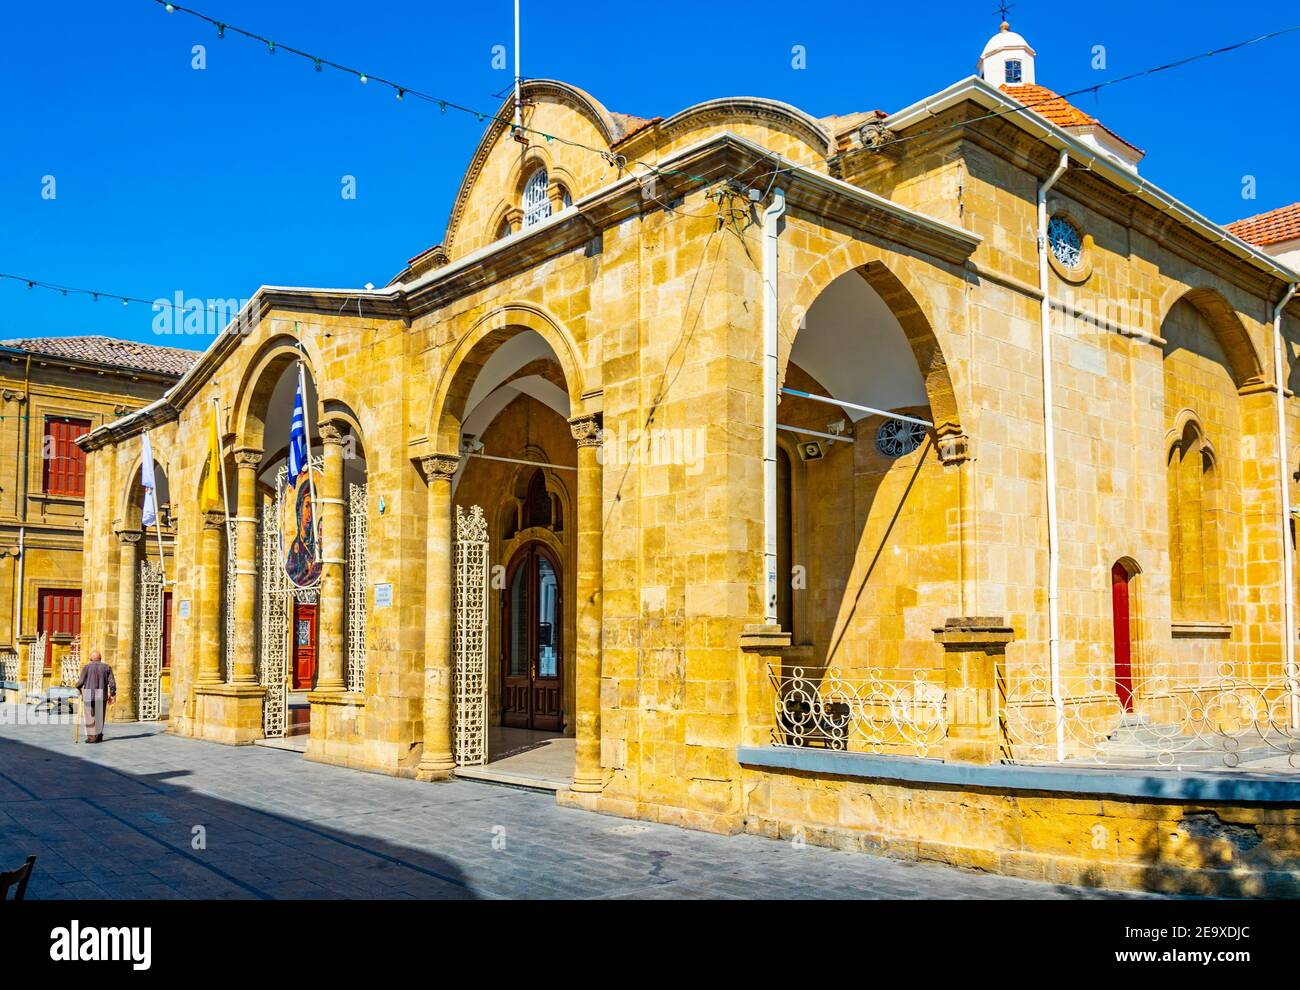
{"points": [[76, 723]]}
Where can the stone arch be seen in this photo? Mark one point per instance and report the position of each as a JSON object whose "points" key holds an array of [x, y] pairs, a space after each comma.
{"points": [[447, 408], [902, 294], [132, 501], [261, 374], [1243, 358]]}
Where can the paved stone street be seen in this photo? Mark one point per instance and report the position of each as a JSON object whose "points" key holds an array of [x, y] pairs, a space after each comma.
{"points": [[118, 819]]}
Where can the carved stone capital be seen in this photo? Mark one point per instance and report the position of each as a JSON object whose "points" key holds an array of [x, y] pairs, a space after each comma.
{"points": [[587, 430], [129, 536], [439, 467], [953, 444], [214, 519], [248, 457], [331, 432]]}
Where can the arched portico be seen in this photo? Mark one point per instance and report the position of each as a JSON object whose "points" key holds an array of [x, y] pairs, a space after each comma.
{"points": [[515, 366], [870, 414]]}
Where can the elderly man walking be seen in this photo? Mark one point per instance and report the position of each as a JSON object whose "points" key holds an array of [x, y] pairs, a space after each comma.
{"points": [[98, 687]]}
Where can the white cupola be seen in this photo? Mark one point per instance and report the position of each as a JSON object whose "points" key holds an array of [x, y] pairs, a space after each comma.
{"points": [[1006, 60]]}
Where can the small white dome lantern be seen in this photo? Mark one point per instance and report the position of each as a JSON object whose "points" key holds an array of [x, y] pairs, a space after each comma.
{"points": [[1006, 60]]}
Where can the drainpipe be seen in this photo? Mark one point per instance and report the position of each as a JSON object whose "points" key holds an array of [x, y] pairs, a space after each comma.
{"points": [[1049, 454], [1288, 577], [771, 231]]}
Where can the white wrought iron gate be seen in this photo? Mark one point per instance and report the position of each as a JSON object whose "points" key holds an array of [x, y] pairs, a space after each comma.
{"points": [[470, 637], [273, 645], [36, 667], [356, 536], [148, 642]]}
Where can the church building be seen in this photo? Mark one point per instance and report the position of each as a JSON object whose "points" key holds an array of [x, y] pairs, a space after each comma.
{"points": [[752, 450]]}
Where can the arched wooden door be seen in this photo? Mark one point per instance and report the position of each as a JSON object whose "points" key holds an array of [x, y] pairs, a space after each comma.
{"points": [[1121, 604], [532, 645]]}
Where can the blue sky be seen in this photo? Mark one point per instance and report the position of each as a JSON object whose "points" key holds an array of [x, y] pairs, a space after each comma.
{"points": [[213, 182]]}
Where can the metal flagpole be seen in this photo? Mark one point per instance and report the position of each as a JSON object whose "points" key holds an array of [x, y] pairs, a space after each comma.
{"points": [[306, 429], [519, 103], [157, 520], [225, 494]]}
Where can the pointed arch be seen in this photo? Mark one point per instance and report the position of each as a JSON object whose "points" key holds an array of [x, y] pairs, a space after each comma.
{"points": [[1243, 360], [447, 409], [903, 296]]}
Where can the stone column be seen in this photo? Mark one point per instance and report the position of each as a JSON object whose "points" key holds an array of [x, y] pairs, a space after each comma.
{"points": [[587, 774], [332, 614], [123, 662], [974, 649], [209, 588], [437, 762], [247, 462]]}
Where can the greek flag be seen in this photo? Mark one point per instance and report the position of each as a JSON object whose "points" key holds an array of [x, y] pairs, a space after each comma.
{"points": [[149, 512], [297, 437]]}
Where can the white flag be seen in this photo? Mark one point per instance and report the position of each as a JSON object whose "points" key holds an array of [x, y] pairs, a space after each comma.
{"points": [[149, 513]]}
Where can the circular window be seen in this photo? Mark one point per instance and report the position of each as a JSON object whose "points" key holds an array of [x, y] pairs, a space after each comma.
{"points": [[1066, 242], [897, 438]]}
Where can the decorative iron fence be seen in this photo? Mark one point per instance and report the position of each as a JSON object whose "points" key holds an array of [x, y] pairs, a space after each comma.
{"points": [[1226, 719], [9, 667], [860, 711], [1245, 718]]}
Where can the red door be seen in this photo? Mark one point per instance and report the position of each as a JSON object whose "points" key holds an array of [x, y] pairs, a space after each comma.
{"points": [[167, 630], [1119, 600], [58, 610], [304, 647]]}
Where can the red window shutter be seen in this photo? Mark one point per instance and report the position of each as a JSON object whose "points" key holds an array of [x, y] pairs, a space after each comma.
{"points": [[65, 467]]}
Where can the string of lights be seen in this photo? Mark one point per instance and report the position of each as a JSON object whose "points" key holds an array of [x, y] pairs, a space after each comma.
{"points": [[95, 294], [401, 91]]}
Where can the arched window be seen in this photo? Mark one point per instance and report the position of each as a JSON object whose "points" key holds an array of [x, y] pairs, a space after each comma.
{"points": [[537, 508], [1196, 585], [536, 205]]}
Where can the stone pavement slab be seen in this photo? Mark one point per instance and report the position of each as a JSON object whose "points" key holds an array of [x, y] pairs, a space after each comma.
{"points": [[149, 815]]}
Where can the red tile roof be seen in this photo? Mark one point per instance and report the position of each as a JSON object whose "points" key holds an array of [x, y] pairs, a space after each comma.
{"points": [[127, 354], [1058, 110], [1273, 227]]}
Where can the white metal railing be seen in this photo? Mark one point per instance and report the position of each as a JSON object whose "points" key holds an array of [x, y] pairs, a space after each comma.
{"points": [[1233, 717], [9, 667], [864, 711]]}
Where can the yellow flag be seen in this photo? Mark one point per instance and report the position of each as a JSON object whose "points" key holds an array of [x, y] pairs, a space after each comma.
{"points": [[211, 496]]}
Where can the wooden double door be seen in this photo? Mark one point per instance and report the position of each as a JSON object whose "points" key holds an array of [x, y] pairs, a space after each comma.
{"points": [[304, 647], [532, 641]]}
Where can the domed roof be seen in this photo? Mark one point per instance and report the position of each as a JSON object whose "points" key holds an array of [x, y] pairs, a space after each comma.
{"points": [[1005, 38]]}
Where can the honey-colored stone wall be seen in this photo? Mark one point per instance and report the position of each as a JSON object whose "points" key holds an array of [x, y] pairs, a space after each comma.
{"points": [[654, 321]]}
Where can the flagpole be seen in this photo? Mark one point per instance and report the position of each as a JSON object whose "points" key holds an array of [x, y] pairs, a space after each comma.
{"points": [[157, 518], [221, 470], [311, 475]]}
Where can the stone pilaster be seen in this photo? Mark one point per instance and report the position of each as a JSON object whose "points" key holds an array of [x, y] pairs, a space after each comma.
{"points": [[123, 657], [333, 615], [246, 464], [974, 648], [587, 774], [437, 761], [209, 592]]}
